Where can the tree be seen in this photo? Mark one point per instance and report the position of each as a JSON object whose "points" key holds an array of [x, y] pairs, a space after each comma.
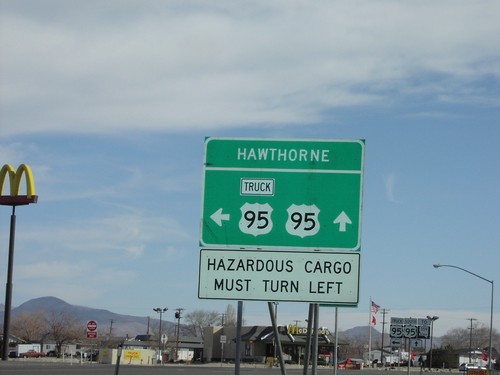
{"points": [[197, 320], [460, 338], [63, 328], [445, 357], [457, 338], [29, 327], [230, 316]]}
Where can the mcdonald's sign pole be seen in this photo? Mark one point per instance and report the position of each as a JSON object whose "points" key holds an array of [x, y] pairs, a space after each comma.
{"points": [[15, 198]]}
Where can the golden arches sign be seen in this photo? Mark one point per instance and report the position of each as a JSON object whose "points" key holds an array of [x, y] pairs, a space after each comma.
{"points": [[15, 198]]}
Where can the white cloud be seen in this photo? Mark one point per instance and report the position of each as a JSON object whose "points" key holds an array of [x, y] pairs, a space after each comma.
{"points": [[174, 65], [123, 235], [74, 281]]}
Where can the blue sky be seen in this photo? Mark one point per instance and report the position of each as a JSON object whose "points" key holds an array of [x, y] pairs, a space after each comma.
{"points": [[110, 104]]}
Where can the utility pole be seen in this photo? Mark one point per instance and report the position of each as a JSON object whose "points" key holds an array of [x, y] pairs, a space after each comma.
{"points": [[384, 311], [222, 319], [470, 338], [110, 328]]}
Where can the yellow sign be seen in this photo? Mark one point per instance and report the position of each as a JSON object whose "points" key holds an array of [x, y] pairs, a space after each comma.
{"points": [[15, 177], [474, 371], [296, 330], [132, 354]]}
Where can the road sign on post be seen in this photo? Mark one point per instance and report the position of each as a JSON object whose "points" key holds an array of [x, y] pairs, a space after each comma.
{"points": [[91, 329], [269, 193], [410, 328], [298, 276]]}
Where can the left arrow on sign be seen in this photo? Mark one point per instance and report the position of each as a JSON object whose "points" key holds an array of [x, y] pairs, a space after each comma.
{"points": [[343, 220], [218, 217]]}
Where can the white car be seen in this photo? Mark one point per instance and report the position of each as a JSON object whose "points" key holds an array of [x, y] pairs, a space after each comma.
{"points": [[468, 366]]}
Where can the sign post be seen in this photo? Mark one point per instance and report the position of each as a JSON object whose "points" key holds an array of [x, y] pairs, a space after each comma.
{"points": [[91, 329], [281, 221], [269, 193]]}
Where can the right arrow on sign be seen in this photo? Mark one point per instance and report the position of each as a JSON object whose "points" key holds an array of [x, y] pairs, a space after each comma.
{"points": [[343, 220], [218, 217]]}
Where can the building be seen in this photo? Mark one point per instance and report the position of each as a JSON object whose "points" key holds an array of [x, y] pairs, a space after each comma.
{"points": [[258, 344]]}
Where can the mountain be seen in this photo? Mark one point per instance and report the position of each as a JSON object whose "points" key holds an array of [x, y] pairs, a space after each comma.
{"points": [[361, 332], [121, 325]]}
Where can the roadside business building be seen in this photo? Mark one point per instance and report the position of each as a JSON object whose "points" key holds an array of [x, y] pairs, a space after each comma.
{"points": [[258, 344]]}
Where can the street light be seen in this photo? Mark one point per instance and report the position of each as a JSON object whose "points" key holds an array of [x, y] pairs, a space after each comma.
{"points": [[490, 363], [432, 319], [178, 317], [160, 311]]}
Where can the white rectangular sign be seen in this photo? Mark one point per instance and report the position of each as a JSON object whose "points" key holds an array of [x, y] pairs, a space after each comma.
{"points": [[424, 322], [412, 321], [314, 277]]}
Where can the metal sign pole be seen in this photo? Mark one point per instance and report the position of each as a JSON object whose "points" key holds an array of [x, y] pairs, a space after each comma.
{"points": [[8, 289], [315, 340], [335, 349], [276, 337], [239, 319], [409, 355], [307, 352]]}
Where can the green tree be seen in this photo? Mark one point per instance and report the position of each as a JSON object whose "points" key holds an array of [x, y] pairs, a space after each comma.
{"points": [[444, 357]]}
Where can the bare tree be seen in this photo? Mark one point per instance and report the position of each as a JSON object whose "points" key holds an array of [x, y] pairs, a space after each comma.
{"points": [[457, 338], [29, 327], [197, 320], [63, 328], [460, 338], [230, 316]]}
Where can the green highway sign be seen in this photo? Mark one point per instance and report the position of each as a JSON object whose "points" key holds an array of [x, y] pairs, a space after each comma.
{"points": [[272, 193]]}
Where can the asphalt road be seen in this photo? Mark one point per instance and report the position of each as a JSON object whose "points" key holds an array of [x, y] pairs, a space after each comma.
{"points": [[20, 367]]}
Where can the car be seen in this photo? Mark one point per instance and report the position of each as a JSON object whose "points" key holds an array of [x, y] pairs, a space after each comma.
{"points": [[469, 366], [32, 354], [91, 355]]}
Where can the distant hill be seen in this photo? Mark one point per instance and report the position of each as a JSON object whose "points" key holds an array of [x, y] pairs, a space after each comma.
{"points": [[122, 324], [362, 332]]}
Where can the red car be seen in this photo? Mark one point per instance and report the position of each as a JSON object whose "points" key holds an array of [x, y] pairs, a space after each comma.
{"points": [[32, 354]]}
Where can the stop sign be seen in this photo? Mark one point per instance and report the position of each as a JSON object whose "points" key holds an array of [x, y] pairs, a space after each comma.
{"points": [[91, 325]]}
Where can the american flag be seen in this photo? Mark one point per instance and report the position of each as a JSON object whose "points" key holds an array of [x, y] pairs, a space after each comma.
{"points": [[375, 307]]}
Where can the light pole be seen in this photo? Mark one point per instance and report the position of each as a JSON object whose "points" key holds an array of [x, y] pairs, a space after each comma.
{"points": [[490, 363], [178, 317], [160, 311], [432, 319]]}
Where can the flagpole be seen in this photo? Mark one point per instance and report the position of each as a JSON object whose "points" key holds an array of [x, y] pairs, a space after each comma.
{"points": [[370, 332]]}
